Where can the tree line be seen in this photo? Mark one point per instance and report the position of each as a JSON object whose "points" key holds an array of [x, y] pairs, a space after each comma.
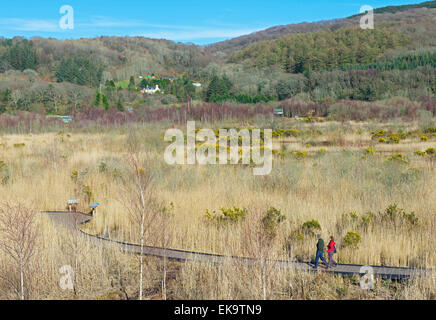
{"points": [[305, 53], [18, 55]]}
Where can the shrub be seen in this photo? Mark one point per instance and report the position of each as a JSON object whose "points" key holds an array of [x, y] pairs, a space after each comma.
{"points": [[353, 215], [351, 239], [4, 173], [377, 134], [369, 151], [231, 215], [321, 152], [116, 173], [75, 176], [424, 138], [309, 227], [87, 192], [430, 151], [420, 153], [430, 130], [271, 221], [19, 145], [292, 133], [394, 214], [366, 219], [382, 140], [300, 155], [394, 139], [353, 220], [102, 168], [398, 157]]}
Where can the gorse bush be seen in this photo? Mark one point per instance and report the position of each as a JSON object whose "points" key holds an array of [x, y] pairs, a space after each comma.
{"points": [[271, 221], [396, 216], [230, 215], [386, 137], [307, 229], [19, 145], [310, 227], [300, 155], [75, 176], [369, 151], [355, 221], [398, 157], [430, 130], [351, 239]]}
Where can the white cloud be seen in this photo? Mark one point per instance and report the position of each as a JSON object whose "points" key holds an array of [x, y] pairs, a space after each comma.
{"points": [[29, 25], [169, 32], [106, 25]]}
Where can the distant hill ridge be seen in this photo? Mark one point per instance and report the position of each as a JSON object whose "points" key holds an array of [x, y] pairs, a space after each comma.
{"points": [[276, 32]]}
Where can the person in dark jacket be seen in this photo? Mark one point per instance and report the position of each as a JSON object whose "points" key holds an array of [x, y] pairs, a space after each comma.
{"points": [[331, 248], [320, 251]]}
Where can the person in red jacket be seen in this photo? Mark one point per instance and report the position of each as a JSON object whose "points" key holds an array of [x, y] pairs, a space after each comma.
{"points": [[331, 250]]}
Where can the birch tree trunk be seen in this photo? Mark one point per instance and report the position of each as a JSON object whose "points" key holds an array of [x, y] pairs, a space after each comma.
{"points": [[21, 278]]}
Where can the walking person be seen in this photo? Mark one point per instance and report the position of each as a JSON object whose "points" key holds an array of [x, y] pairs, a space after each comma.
{"points": [[320, 252], [331, 250]]}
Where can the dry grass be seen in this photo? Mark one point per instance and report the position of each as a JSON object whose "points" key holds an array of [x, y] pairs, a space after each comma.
{"points": [[321, 187]]}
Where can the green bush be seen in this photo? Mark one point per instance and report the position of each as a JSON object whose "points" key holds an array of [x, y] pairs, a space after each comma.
{"points": [[355, 221], [431, 151], [309, 227], [378, 134], [369, 151], [271, 221], [75, 176], [394, 214], [300, 155], [19, 145], [351, 239], [430, 130], [394, 139], [292, 133], [87, 192], [231, 215], [399, 157], [102, 168]]}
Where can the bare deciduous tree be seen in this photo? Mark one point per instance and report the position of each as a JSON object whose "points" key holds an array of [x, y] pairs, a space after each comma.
{"points": [[18, 239], [258, 240], [139, 199]]}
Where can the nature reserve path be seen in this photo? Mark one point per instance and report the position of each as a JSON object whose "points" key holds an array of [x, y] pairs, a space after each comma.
{"points": [[73, 220]]}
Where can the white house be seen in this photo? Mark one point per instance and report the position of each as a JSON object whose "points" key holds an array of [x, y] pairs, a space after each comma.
{"points": [[151, 90]]}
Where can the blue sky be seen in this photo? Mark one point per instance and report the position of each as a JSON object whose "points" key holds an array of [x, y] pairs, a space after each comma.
{"points": [[200, 22]]}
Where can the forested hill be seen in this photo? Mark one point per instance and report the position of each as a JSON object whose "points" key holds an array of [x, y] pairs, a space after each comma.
{"points": [[324, 62], [322, 50], [385, 14], [87, 61]]}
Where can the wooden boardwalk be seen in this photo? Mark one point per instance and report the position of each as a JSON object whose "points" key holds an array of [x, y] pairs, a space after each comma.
{"points": [[73, 220]]}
